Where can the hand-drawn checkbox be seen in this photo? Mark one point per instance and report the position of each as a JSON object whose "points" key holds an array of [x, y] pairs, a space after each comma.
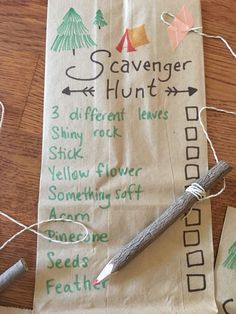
{"points": [[195, 258], [194, 218], [196, 282], [192, 152], [191, 113], [192, 171], [191, 133], [191, 238]]}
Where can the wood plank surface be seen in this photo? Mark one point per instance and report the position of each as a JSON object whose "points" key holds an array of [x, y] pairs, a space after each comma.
{"points": [[22, 45]]}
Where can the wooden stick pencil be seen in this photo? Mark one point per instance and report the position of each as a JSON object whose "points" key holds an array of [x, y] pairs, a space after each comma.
{"points": [[12, 273], [180, 207]]}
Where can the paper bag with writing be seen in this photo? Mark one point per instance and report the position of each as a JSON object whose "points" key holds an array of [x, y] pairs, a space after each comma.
{"points": [[225, 270], [13, 310], [121, 141]]}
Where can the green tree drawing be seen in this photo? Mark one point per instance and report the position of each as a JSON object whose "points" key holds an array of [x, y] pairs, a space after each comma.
{"points": [[230, 262], [99, 19], [72, 34]]}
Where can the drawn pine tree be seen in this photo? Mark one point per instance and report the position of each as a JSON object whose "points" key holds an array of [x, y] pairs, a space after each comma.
{"points": [[99, 19], [230, 262], [72, 34]]}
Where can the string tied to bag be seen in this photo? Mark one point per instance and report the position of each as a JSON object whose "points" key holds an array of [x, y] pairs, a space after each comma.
{"points": [[40, 234], [196, 189], [183, 24]]}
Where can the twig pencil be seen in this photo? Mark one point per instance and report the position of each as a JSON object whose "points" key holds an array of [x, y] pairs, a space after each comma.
{"points": [[180, 207], [12, 274]]}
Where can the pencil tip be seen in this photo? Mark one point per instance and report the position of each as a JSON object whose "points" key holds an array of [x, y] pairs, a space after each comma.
{"points": [[95, 282], [107, 270]]}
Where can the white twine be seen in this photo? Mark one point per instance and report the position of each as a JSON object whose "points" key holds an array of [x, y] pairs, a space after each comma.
{"points": [[30, 228], [204, 129], [197, 30], [163, 18], [2, 114], [37, 224], [196, 189]]}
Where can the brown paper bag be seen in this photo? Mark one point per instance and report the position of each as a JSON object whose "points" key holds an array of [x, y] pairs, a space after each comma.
{"points": [[121, 141], [225, 269], [13, 310]]}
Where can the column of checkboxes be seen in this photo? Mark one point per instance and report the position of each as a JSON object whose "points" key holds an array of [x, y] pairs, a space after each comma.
{"points": [[192, 237]]}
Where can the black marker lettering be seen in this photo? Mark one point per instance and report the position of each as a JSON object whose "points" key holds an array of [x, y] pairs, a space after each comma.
{"points": [[93, 60], [112, 65], [224, 305]]}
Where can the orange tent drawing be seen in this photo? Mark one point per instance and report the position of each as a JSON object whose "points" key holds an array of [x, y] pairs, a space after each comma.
{"points": [[133, 38]]}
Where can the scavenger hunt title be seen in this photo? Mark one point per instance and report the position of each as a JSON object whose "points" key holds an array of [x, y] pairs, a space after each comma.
{"points": [[163, 73]]}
